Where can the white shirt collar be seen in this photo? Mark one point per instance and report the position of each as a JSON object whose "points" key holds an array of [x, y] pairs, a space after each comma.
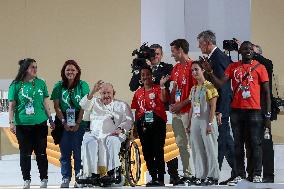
{"points": [[212, 52]]}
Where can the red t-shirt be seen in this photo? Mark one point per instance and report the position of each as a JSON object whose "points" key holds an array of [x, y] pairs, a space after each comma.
{"points": [[147, 100], [182, 76], [236, 72]]}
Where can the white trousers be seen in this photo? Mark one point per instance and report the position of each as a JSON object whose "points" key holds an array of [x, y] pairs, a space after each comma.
{"points": [[97, 152]]}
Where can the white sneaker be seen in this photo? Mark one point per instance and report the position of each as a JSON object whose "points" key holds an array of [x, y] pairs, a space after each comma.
{"points": [[257, 179], [43, 183], [235, 181], [65, 183], [27, 184]]}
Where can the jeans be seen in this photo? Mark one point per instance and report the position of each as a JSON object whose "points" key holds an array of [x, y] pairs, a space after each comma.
{"points": [[33, 138], [247, 123], [226, 146], [71, 142]]}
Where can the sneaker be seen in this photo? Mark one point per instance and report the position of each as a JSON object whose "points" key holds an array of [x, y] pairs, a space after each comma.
{"points": [[186, 181], [235, 181], [43, 183], [209, 181], [257, 179], [27, 184], [65, 183], [198, 182], [226, 181]]}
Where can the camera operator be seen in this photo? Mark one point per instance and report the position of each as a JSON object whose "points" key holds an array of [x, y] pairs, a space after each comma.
{"points": [[159, 69]]}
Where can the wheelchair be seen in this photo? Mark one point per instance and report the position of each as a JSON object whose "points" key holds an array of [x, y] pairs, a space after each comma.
{"points": [[129, 172]]}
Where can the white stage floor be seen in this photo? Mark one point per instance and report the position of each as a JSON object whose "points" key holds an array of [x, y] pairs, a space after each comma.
{"points": [[11, 177]]}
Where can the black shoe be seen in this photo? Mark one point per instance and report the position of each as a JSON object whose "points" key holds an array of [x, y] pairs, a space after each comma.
{"points": [[209, 181], [267, 180], [187, 181], [226, 181], [153, 183], [174, 180]]}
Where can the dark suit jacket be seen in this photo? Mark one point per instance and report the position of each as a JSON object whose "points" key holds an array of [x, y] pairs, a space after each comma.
{"points": [[163, 70], [269, 68], [219, 61]]}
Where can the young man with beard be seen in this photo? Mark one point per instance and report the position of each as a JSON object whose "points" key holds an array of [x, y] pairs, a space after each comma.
{"points": [[248, 77]]}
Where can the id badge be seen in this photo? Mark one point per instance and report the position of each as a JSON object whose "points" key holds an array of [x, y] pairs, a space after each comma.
{"points": [[149, 117], [29, 108], [70, 117], [246, 94], [196, 108], [178, 95]]}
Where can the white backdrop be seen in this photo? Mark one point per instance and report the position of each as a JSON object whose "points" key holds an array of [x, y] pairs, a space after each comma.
{"points": [[163, 21]]}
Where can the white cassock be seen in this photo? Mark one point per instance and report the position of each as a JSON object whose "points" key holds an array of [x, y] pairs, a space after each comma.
{"points": [[99, 148]]}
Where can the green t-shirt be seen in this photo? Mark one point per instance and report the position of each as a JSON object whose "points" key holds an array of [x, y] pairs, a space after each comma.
{"points": [[23, 93], [69, 98]]}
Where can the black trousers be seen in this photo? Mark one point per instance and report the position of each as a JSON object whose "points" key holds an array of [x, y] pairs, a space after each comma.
{"points": [[267, 158], [247, 123], [226, 146], [152, 137], [173, 168], [33, 138]]}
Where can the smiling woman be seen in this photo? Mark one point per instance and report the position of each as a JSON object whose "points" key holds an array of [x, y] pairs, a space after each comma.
{"points": [[66, 96]]}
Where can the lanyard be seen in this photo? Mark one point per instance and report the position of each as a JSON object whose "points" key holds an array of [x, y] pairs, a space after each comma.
{"points": [[142, 102], [198, 95], [248, 79], [27, 95], [184, 80], [69, 95]]}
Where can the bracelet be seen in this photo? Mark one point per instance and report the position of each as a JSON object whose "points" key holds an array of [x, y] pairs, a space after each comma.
{"points": [[162, 87], [63, 121], [210, 124], [11, 122]]}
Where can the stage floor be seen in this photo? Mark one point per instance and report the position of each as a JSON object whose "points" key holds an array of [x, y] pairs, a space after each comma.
{"points": [[10, 174]]}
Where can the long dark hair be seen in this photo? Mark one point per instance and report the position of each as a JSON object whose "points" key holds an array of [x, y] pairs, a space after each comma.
{"points": [[24, 66], [64, 78]]}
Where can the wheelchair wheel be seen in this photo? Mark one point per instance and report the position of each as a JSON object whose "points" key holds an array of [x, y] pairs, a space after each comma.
{"points": [[132, 164]]}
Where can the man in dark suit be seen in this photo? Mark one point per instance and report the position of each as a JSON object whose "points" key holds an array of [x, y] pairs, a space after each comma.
{"points": [[219, 62], [159, 69]]}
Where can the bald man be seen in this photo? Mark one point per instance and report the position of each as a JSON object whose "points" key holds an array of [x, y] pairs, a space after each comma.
{"points": [[110, 119]]}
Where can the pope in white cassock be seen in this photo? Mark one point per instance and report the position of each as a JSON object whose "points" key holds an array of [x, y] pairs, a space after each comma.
{"points": [[109, 119]]}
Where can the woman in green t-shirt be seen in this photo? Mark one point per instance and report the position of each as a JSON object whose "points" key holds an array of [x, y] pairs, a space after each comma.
{"points": [[66, 96], [28, 115]]}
